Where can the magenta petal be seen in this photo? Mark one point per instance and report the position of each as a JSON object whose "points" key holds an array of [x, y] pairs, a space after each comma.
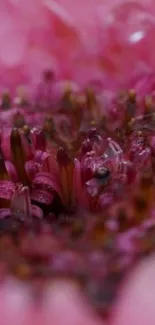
{"points": [[42, 196], [11, 171], [46, 162], [37, 212], [49, 164], [21, 204], [48, 181], [4, 213], [40, 156], [6, 190], [31, 169]]}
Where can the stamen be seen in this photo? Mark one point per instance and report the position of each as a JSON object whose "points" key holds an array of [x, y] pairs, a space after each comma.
{"points": [[18, 156], [3, 171], [66, 165], [6, 100]]}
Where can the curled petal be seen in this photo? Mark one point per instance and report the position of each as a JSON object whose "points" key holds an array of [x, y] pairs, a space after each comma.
{"points": [[42, 196], [47, 181], [11, 171], [37, 212]]}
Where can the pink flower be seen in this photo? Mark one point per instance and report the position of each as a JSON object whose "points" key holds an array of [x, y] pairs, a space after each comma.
{"points": [[77, 165], [135, 303]]}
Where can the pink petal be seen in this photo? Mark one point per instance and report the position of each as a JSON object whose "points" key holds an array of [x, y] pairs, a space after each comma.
{"points": [[135, 305], [37, 212], [64, 298], [21, 204], [4, 213], [42, 196], [48, 181], [11, 171], [14, 304], [31, 169]]}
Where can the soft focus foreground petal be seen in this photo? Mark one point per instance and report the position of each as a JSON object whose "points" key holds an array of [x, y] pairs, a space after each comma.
{"points": [[64, 303], [62, 300], [135, 305], [14, 304], [4, 213]]}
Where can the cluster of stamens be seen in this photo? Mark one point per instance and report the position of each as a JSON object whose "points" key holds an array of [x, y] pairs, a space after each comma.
{"points": [[77, 189]]}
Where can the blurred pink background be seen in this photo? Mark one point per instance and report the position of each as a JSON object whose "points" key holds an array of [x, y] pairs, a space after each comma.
{"points": [[79, 40]]}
